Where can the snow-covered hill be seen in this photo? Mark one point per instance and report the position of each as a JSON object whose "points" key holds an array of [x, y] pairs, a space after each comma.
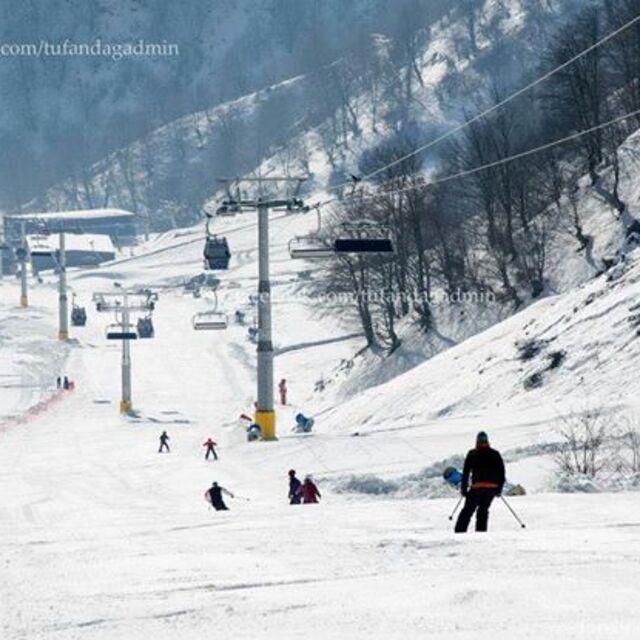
{"points": [[322, 122], [105, 538]]}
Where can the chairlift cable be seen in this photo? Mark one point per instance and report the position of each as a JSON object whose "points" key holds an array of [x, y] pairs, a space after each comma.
{"points": [[491, 109]]}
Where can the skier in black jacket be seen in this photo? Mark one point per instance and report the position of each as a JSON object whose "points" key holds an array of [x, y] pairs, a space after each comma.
{"points": [[214, 496], [485, 467], [294, 485], [164, 442]]}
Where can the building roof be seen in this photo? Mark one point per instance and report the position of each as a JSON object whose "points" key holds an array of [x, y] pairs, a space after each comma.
{"points": [[73, 242], [80, 214]]}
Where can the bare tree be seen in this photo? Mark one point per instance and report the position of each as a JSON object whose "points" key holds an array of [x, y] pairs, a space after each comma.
{"points": [[583, 448]]}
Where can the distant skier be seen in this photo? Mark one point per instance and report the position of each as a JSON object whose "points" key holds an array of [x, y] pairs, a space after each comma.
{"points": [[294, 487], [308, 491], [164, 442], [211, 449], [59, 382], [303, 424], [65, 383], [254, 432], [282, 388], [486, 468], [214, 496]]}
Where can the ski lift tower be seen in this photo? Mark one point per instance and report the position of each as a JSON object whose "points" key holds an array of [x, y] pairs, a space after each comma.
{"points": [[123, 303], [265, 416], [22, 255], [63, 300]]}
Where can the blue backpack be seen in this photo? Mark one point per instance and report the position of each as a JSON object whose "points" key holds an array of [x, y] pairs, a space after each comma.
{"points": [[452, 476]]}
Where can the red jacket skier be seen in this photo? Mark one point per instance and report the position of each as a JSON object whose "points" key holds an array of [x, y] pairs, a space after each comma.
{"points": [[211, 445], [309, 491], [282, 388]]}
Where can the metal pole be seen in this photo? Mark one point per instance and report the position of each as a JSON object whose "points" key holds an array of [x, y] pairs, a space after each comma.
{"points": [[24, 294], [453, 513], [265, 415], [125, 403], [63, 306], [513, 513], [2, 244]]}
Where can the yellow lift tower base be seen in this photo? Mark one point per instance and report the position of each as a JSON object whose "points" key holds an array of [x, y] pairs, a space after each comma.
{"points": [[125, 406], [63, 335], [266, 420], [24, 301]]}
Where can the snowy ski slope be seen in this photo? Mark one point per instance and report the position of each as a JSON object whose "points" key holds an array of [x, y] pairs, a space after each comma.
{"points": [[102, 538]]}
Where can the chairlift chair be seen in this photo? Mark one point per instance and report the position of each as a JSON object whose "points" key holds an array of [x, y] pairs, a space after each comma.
{"points": [[209, 321], [117, 332], [311, 246], [363, 238]]}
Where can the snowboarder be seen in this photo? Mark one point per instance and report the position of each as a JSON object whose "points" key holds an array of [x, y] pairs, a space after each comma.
{"points": [[294, 486], [65, 383], [308, 491], [282, 388], [164, 442], [214, 496], [486, 468], [211, 449]]}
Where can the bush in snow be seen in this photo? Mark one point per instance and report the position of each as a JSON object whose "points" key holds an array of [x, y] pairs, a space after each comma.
{"points": [[573, 483], [370, 484], [585, 448]]}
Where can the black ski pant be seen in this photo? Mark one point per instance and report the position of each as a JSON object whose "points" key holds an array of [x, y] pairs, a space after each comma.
{"points": [[480, 500], [211, 450], [220, 506], [162, 446]]}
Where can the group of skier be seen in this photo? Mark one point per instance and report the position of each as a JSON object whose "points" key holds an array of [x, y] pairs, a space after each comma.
{"points": [[64, 383], [209, 444], [482, 479], [302, 492], [305, 492]]}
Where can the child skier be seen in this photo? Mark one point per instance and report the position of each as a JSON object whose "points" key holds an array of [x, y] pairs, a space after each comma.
{"points": [[294, 486], [164, 442], [214, 496], [211, 445], [309, 492], [486, 468]]}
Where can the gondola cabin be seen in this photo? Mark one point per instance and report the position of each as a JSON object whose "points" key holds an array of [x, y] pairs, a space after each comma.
{"points": [[216, 253]]}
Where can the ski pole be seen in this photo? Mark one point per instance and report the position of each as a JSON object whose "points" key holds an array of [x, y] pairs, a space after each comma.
{"points": [[453, 513], [243, 498], [515, 515]]}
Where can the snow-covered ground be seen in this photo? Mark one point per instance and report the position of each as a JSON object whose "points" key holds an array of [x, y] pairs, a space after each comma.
{"points": [[102, 537]]}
